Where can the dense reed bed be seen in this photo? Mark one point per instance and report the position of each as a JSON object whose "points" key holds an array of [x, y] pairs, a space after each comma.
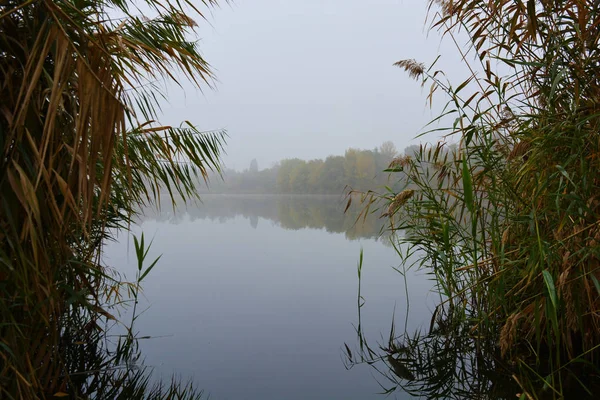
{"points": [[507, 224], [81, 150]]}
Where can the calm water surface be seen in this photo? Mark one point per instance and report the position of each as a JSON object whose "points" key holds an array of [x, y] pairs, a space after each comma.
{"points": [[254, 297]]}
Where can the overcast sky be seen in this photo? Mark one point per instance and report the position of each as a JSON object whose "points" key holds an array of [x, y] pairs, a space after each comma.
{"points": [[312, 78]]}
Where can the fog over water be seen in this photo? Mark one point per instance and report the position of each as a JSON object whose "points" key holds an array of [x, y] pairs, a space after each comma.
{"points": [[254, 297], [313, 78]]}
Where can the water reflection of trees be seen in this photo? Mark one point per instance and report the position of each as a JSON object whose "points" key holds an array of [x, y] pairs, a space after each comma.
{"points": [[289, 212]]}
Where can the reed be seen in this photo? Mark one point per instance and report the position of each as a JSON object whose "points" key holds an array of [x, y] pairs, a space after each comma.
{"points": [[82, 148], [507, 223]]}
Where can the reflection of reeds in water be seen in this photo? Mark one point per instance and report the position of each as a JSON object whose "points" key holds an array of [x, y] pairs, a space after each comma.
{"points": [[448, 362], [100, 356]]}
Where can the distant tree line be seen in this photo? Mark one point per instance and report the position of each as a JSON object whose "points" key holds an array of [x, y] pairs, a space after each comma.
{"points": [[356, 169]]}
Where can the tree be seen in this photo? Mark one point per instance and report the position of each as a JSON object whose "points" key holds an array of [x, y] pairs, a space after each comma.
{"points": [[299, 177], [388, 150], [412, 150], [365, 165], [80, 152], [350, 171], [333, 180], [316, 168]]}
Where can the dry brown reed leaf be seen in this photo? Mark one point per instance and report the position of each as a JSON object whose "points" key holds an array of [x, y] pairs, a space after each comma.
{"points": [[565, 289], [443, 171], [63, 126], [402, 161], [399, 200], [562, 280], [415, 69], [447, 6], [593, 238], [566, 263], [505, 236], [521, 322], [519, 150], [508, 333], [185, 20]]}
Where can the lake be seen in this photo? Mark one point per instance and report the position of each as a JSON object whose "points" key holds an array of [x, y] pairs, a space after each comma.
{"points": [[255, 296]]}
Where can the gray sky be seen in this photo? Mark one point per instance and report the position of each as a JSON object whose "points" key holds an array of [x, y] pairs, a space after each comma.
{"points": [[312, 78]]}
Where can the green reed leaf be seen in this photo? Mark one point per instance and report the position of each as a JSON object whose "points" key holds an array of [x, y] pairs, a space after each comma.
{"points": [[551, 288], [467, 184]]}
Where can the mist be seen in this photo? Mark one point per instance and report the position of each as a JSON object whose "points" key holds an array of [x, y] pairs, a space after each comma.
{"points": [[313, 78]]}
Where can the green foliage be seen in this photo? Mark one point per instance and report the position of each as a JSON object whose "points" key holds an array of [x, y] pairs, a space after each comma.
{"points": [[508, 226], [357, 169], [81, 150]]}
